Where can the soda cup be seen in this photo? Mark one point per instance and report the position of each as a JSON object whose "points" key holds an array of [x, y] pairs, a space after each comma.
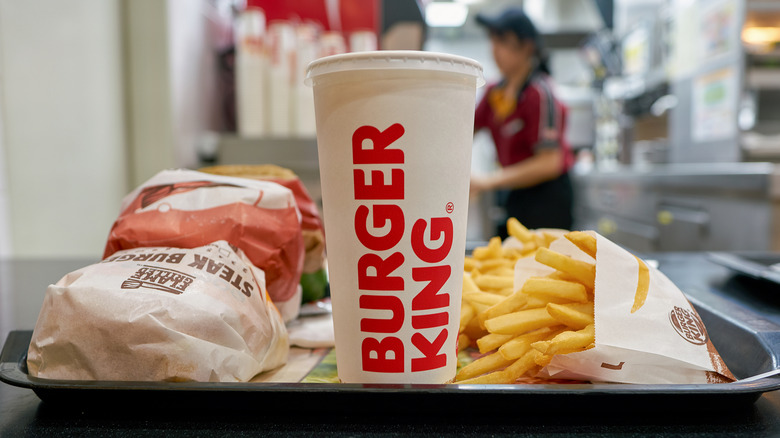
{"points": [[394, 136]]}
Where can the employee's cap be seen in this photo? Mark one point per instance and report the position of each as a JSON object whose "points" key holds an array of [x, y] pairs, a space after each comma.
{"points": [[511, 20]]}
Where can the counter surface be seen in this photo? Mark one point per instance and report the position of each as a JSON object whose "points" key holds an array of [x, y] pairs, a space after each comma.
{"points": [[21, 412], [754, 179], [682, 207]]}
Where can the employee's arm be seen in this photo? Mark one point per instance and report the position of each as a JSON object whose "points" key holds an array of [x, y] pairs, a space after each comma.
{"points": [[545, 165]]}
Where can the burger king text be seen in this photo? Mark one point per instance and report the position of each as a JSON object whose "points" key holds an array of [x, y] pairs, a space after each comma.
{"points": [[383, 350]]}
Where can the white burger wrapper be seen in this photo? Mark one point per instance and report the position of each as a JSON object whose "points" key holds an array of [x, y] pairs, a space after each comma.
{"points": [[662, 341], [160, 314]]}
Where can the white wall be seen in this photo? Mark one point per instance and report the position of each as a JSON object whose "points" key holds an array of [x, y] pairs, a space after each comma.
{"points": [[62, 99], [172, 80], [149, 121], [5, 230]]}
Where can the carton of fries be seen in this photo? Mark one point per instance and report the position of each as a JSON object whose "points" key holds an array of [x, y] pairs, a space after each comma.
{"points": [[646, 331], [580, 307]]}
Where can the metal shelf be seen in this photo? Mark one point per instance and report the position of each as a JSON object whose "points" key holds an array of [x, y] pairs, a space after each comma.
{"points": [[294, 153]]}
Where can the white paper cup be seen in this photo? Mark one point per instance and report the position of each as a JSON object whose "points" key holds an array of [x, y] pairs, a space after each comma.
{"points": [[394, 134]]}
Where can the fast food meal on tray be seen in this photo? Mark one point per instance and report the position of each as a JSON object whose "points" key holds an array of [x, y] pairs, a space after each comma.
{"points": [[160, 314], [555, 304], [202, 269]]}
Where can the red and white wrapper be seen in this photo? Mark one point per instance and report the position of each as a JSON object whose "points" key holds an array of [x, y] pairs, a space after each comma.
{"points": [[660, 340], [188, 209]]}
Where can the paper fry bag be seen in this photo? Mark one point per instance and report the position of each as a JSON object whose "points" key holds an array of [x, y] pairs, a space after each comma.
{"points": [[160, 314], [646, 330]]}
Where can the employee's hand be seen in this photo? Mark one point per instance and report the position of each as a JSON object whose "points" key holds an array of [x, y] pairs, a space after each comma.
{"points": [[479, 184]]}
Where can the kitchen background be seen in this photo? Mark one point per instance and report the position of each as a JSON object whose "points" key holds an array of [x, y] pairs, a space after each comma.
{"points": [[673, 107]]}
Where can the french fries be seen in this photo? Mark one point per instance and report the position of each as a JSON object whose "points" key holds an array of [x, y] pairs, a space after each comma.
{"points": [[492, 341], [572, 316], [486, 298], [567, 342], [551, 289], [511, 303], [518, 329], [585, 242], [519, 322], [515, 369], [581, 271], [494, 282], [484, 364], [518, 346]]}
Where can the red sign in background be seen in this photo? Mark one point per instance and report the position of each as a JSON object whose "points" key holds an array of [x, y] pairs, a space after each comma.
{"points": [[344, 15]]}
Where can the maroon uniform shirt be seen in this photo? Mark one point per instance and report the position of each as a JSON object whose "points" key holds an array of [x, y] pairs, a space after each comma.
{"points": [[522, 126]]}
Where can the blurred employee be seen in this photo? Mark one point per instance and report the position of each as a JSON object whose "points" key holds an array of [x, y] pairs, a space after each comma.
{"points": [[527, 124], [403, 25]]}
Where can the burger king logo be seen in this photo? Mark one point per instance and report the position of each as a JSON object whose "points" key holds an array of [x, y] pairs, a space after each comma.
{"points": [[688, 325]]}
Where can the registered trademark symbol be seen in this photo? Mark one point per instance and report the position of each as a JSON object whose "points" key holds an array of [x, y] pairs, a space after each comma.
{"points": [[450, 207]]}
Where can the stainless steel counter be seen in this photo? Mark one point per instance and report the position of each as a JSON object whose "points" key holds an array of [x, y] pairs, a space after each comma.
{"points": [[756, 179], [683, 207]]}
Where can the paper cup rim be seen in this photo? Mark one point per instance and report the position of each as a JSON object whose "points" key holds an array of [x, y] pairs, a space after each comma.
{"points": [[395, 60]]}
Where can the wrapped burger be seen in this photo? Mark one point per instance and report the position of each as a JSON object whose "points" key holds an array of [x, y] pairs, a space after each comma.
{"points": [[314, 278], [160, 314], [188, 209]]}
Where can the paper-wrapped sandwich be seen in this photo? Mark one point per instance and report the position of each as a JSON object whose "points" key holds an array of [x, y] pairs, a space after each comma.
{"points": [[188, 209], [160, 314], [314, 278], [199, 274]]}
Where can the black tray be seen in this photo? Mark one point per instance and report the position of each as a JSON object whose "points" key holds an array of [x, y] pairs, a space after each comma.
{"points": [[749, 344], [752, 264]]}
